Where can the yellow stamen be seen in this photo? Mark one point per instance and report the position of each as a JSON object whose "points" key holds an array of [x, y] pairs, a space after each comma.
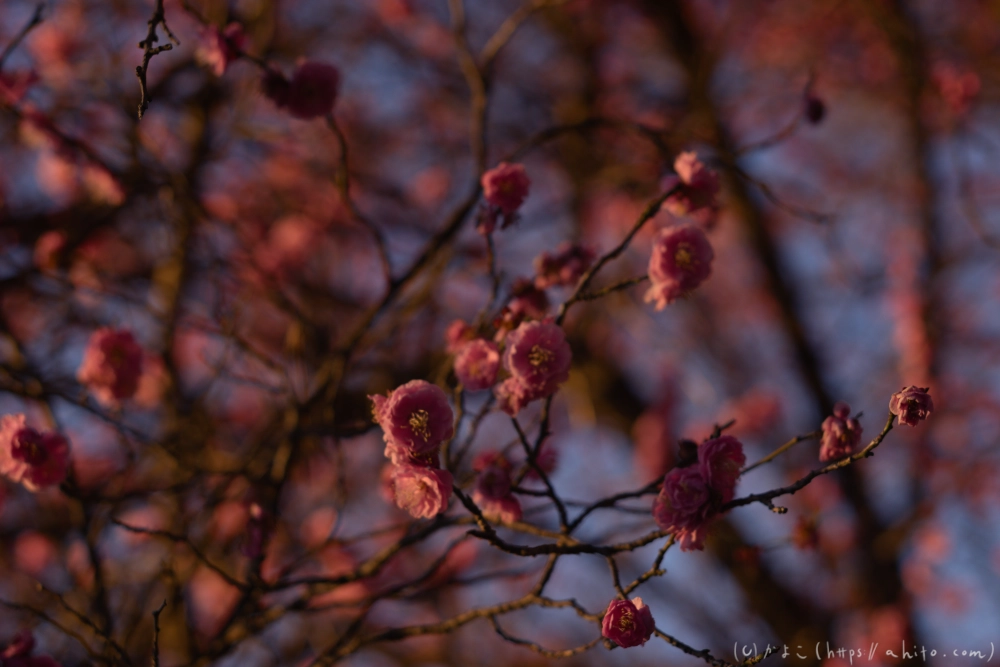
{"points": [[419, 421], [539, 356]]}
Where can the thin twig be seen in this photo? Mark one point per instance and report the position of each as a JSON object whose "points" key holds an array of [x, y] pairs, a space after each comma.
{"points": [[156, 634], [36, 18], [148, 51]]}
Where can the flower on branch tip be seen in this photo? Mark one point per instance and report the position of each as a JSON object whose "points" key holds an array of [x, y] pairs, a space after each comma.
{"points": [[628, 623], [684, 506], [564, 267], [415, 419], [476, 364], [219, 48], [721, 460], [310, 92], [492, 492], [112, 365], [505, 187], [841, 434], [697, 186], [423, 491], [911, 405], [538, 359], [681, 260]]}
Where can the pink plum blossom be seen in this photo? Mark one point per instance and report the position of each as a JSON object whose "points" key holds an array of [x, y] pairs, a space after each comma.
{"points": [[547, 460], [721, 460], [14, 85], [220, 48], [310, 93], [911, 405], [415, 419], [628, 623], [457, 334], [527, 300], [505, 186], [681, 260], [684, 506], [538, 359], [112, 365], [564, 267], [841, 434], [492, 492], [422, 491], [34, 459], [697, 186], [476, 364]]}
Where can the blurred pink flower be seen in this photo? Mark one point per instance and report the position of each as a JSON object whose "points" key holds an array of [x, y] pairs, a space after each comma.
{"points": [[34, 459], [112, 365], [527, 300], [505, 186], [415, 420], [457, 334], [841, 434], [547, 460], [958, 89], [684, 506], [492, 492], [14, 85], [48, 248], [681, 260], [18, 653], [911, 405], [697, 186], [152, 382], [721, 460], [476, 364], [564, 267], [310, 93], [219, 48], [421, 490], [628, 623]]}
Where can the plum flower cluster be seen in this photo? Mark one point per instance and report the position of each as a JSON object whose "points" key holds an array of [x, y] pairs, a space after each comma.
{"points": [[841, 434], [538, 359], [564, 267], [697, 187], [628, 623], [681, 260], [505, 187], [416, 420], [33, 459], [112, 366], [911, 405], [492, 492], [691, 496], [310, 93]]}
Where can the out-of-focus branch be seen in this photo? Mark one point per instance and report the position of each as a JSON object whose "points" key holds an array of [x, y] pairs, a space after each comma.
{"points": [[35, 20]]}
